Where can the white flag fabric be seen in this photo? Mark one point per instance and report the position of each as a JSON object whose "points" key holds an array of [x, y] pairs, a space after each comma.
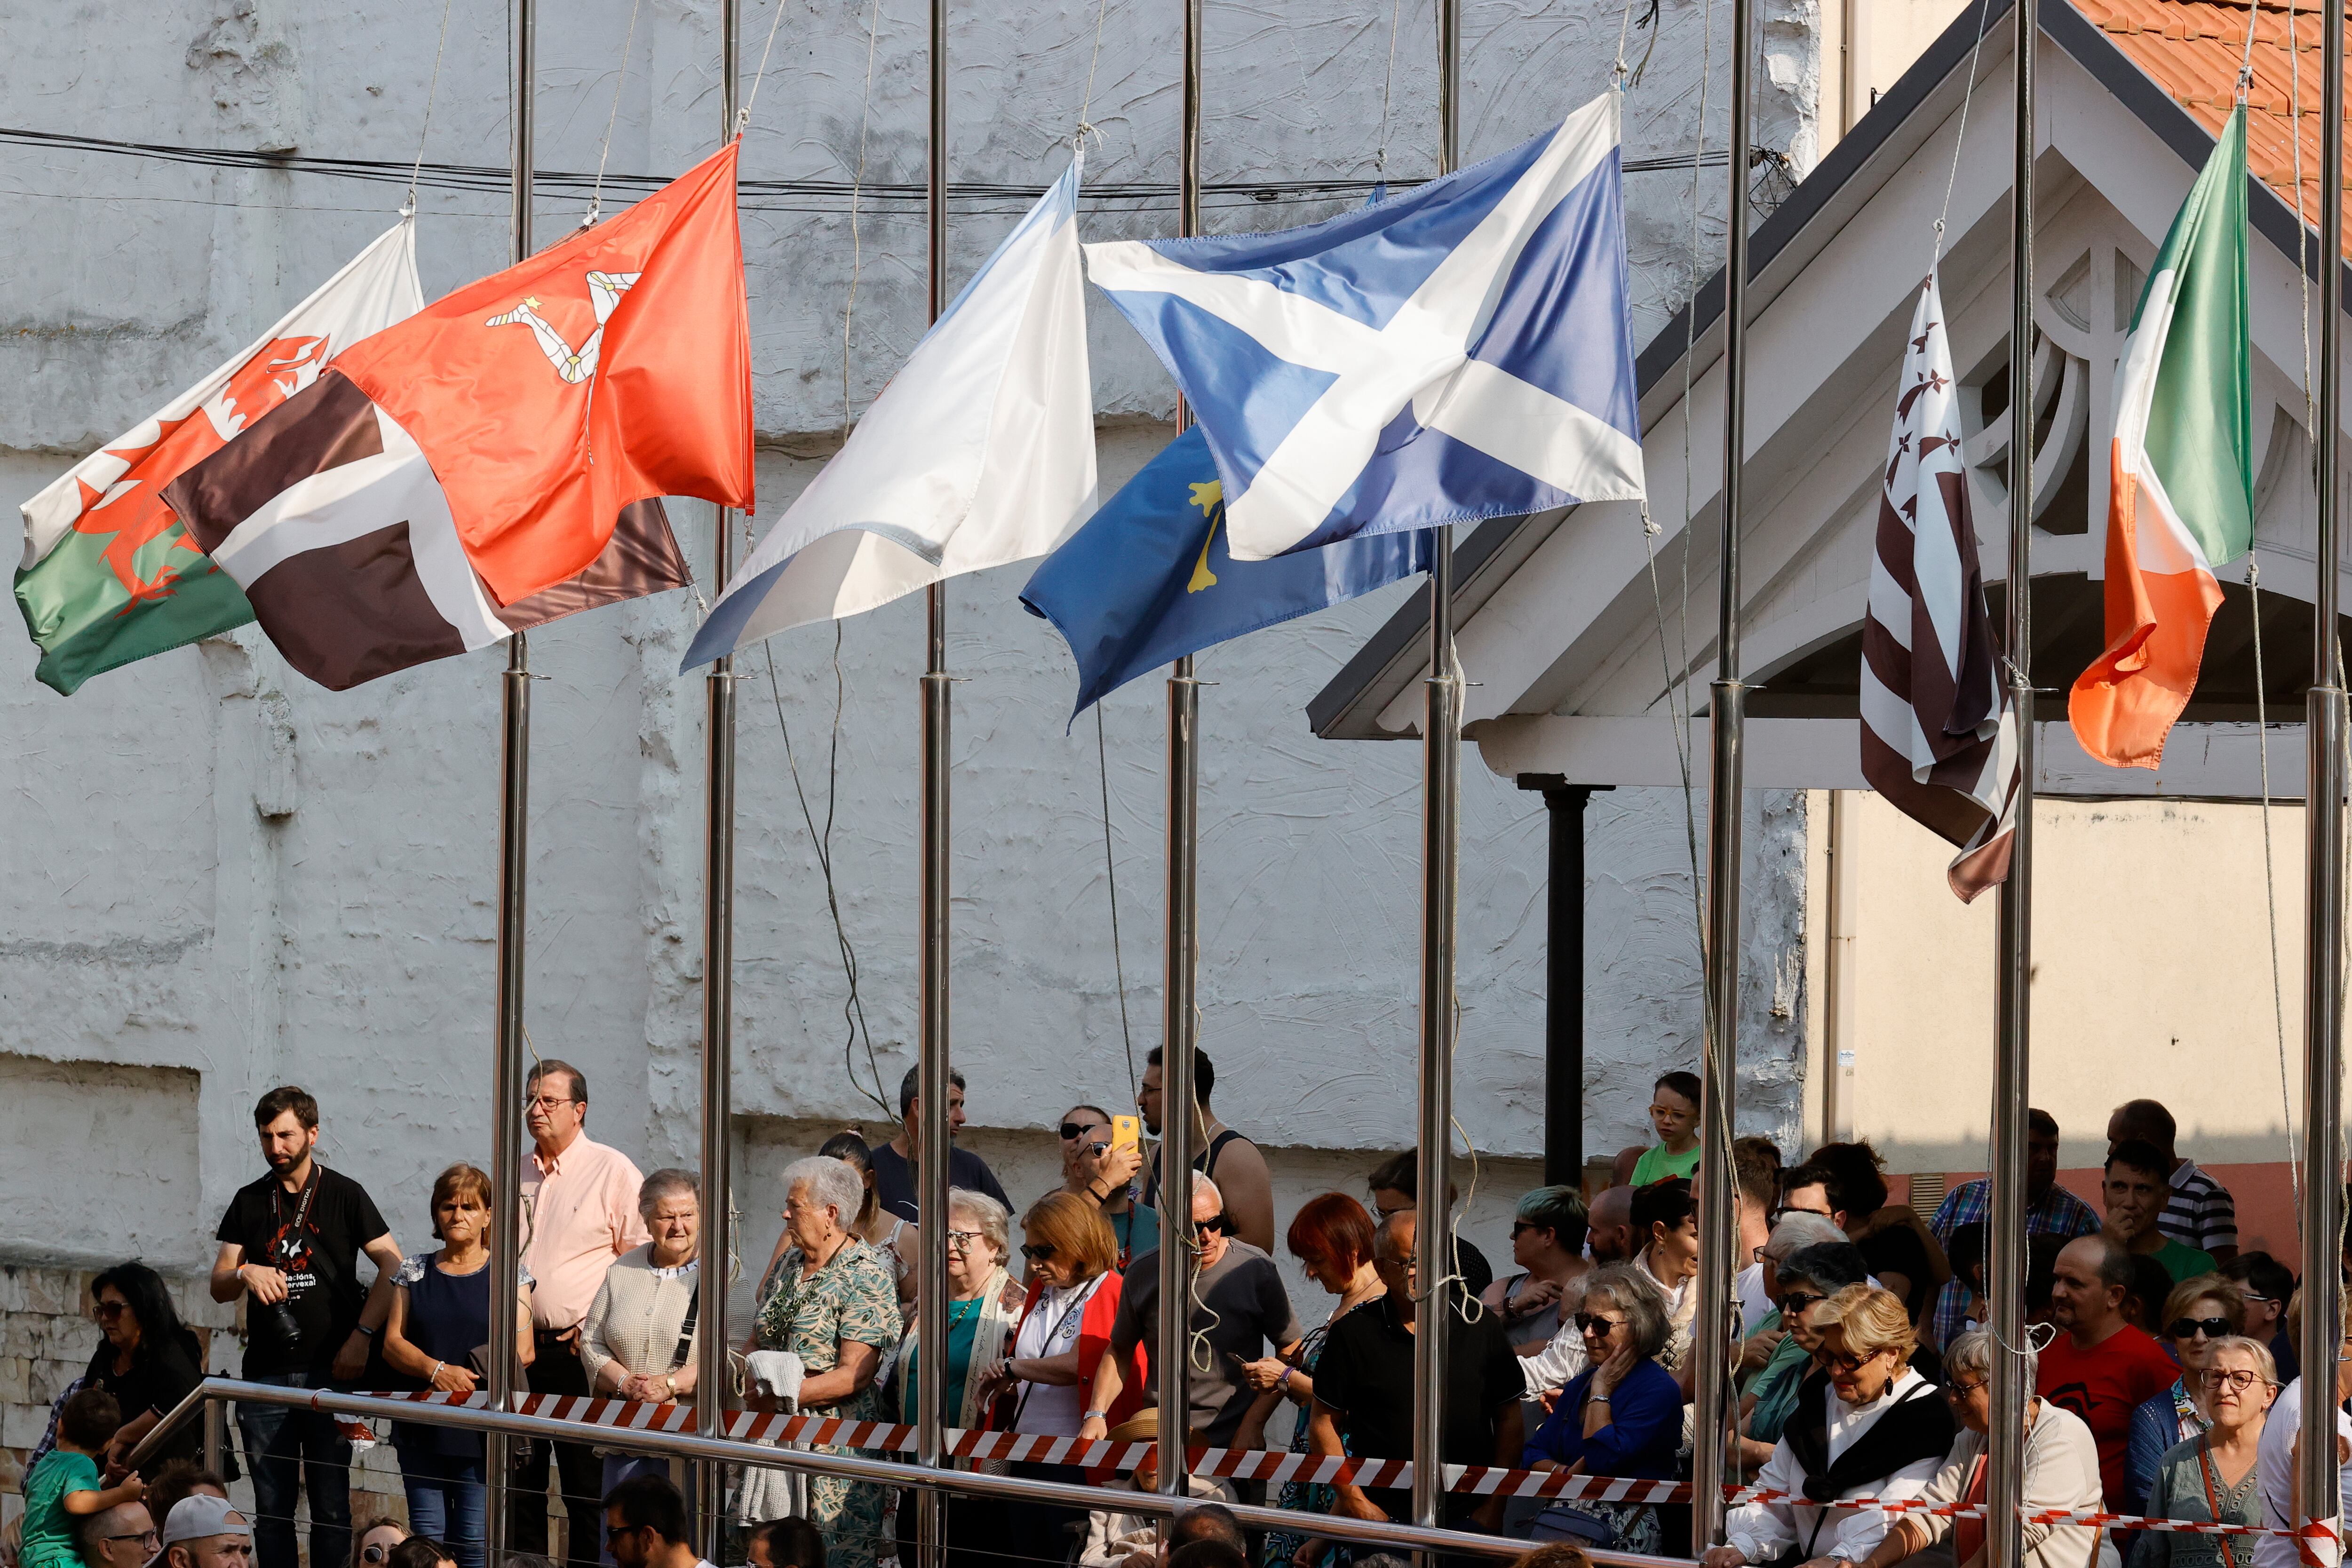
{"points": [[980, 452]]}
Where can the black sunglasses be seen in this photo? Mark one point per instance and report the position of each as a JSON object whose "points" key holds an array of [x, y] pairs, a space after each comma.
{"points": [[2213, 1328], [1221, 1222], [1795, 1302], [1038, 1254], [1594, 1324], [1070, 1129]]}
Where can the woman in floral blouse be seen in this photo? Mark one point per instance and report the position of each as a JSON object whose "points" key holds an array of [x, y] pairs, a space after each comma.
{"points": [[831, 1300]]}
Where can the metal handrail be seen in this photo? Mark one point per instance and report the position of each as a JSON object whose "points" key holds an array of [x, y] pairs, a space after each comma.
{"points": [[727, 1450]]}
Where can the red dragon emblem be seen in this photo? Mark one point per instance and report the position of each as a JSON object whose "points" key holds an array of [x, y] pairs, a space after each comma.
{"points": [[132, 508]]}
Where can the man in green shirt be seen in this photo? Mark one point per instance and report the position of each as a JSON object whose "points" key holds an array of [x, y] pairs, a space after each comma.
{"points": [[1674, 1112], [2138, 1184]]}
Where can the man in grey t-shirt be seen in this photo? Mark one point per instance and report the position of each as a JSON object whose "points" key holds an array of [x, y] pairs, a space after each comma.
{"points": [[1239, 1307]]}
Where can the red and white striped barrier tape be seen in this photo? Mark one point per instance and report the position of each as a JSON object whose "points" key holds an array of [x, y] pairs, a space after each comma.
{"points": [[1273, 1464]]}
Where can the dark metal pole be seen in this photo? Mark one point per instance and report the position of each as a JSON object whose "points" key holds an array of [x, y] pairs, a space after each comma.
{"points": [[1718, 1067], [2324, 732], [1564, 804], [514, 831], [932, 1172], [711, 1381], [2013, 1066], [1179, 1026], [1441, 833]]}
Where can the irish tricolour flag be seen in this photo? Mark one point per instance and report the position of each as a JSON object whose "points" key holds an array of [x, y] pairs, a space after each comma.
{"points": [[2183, 501]]}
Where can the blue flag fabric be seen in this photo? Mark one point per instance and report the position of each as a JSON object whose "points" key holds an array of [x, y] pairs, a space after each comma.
{"points": [[1463, 351], [1149, 577]]}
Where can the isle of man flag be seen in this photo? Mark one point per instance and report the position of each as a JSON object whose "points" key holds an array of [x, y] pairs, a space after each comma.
{"points": [[109, 573], [2182, 501]]}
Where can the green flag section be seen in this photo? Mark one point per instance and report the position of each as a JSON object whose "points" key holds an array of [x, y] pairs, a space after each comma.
{"points": [[109, 574], [2182, 488]]}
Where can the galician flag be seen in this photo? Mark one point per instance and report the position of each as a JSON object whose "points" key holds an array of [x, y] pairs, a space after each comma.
{"points": [[109, 573], [2183, 499]]}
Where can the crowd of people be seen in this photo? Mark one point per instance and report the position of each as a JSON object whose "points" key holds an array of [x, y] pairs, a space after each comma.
{"points": [[2165, 1383]]}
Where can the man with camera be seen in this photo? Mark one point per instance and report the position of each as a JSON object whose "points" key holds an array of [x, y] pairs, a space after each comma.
{"points": [[291, 1241]]}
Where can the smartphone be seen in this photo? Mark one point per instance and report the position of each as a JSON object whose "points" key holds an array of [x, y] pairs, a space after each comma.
{"points": [[1125, 1132]]}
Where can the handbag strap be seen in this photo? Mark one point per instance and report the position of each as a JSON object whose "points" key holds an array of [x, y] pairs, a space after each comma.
{"points": [[2212, 1500], [686, 1329]]}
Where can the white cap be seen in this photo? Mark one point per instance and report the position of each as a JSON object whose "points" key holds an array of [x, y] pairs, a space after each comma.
{"points": [[200, 1515]]}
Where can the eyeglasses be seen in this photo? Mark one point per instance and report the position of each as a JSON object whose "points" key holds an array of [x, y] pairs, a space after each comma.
{"points": [[1519, 1225], [961, 1240], [1596, 1325], [1956, 1391], [1794, 1302], [1038, 1254], [1070, 1129], [614, 1531], [1785, 1210], [2237, 1380], [547, 1101], [1755, 1254], [153, 1538], [1220, 1222], [109, 1310], [2211, 1328], [1827, 1359]]}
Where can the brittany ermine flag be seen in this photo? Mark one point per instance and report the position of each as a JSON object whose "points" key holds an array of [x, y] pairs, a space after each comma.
{"points": [[1939, 737], [497, 460]]}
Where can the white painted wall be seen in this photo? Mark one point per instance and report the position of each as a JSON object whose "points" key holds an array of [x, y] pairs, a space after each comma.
{"points": [[212, 866]]}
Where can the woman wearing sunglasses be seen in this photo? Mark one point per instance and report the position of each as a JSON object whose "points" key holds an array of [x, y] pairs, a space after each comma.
{"points": [[2198, 1314], [1816, 1265], [1064, 1327], [1865, 1426], [2212, 1477], [148, 1360], [979, 1325], [1104, 1173], [1622, 1416], [2061, 1473]]}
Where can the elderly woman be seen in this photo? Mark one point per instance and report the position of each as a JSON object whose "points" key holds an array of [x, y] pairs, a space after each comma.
{"points": [[1892, 1432], [1622, 1416], [1806, 1277], [440, 1314], [2199, 1313], [148, 1360], [1104, 1173], [1073, 1291], [1547, 1244], [637, 1342], [2211, 1478], [2062, 1472], [830, 1299], [979, 1325]]}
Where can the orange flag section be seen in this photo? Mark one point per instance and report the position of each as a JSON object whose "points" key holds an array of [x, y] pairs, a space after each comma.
{"points": [[607, 369], [2122, 706]]}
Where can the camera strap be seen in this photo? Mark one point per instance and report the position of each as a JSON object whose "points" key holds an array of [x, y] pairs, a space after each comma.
{"points": [[302, 1213]]}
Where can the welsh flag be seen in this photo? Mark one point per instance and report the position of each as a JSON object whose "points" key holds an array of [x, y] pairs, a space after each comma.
{"points": [[109, 574], [2182, 500]]}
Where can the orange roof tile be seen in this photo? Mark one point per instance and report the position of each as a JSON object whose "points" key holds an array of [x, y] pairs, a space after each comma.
{"points": [[2193, 48]]}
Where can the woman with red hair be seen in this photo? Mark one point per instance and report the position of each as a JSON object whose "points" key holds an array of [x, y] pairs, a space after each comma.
{"points": [[1332, 1235]]}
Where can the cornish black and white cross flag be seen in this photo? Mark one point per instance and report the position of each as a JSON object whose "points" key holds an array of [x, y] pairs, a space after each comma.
{"points": [[1939, 737]]}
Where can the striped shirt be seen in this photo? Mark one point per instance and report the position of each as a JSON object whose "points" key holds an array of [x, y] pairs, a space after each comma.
{"points": [[2201, 1212]]}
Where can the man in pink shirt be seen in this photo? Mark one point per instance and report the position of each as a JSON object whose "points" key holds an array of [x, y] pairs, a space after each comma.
{"points": [[580, 1212]]}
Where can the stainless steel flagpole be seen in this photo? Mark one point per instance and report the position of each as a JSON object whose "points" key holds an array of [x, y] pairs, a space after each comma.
{"points": [[713, 1383], [1441, 833], [2005, 1476], [514, 828], [1718, 1066], [1180, 1018], [2323, 736], [931, 1174]]}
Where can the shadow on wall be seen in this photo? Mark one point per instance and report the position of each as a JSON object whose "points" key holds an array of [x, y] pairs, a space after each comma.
{"points": [[2263, 1190]]}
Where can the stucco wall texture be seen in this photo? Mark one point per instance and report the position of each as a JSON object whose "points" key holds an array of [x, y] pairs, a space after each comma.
{"points": [[212, 866]]}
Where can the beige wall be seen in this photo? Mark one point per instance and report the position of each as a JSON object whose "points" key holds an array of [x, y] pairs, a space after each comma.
{"points": [[2152, 976], [1866, 45]]}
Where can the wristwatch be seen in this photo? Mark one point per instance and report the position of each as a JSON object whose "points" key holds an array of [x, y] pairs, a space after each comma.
{"points": [[1095, 1416]]}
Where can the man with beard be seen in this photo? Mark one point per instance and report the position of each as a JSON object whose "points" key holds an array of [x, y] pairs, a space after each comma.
{"points": [[292, 1240], [2099, 1366], [1610, 1236]]}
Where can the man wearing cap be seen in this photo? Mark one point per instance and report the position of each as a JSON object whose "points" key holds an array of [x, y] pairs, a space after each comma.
{"points": [[124, 1536], [205, 1531]]}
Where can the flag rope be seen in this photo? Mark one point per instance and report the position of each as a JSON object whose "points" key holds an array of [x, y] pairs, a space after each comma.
{"points": [[1257, 1464], [432, 89], [743, 115], [1960, 136], [604, 150]]}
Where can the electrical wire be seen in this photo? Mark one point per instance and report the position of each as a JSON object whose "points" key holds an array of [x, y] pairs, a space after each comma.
{"points": [[1110, 877]]}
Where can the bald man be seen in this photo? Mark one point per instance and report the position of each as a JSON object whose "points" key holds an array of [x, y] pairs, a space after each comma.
{"points": [[1610, 1237], [124, 1536]]}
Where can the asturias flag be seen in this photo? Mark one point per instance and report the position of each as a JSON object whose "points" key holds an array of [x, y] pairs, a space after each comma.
{"points": [[1150, 578], [2182, 493], [109, 574]]}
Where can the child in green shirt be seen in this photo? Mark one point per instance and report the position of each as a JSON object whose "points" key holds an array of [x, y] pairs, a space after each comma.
{"points": [[63, 1488], [1674, 1112]]}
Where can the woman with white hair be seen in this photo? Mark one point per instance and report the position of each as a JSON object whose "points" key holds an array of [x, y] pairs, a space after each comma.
{"points": [[979, 1325], [2211, 1478], [637, 1342], [831, 1300], [2062, 1474]]}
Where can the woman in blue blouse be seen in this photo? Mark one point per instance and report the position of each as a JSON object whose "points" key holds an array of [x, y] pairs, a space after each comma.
{"points": [[1622, 1417]]}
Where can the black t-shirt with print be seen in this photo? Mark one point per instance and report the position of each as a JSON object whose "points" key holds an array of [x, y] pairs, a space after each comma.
{"points": [[318, 1251]]}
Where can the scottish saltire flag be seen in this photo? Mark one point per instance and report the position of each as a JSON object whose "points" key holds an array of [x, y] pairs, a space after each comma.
{"points": [[1149, 578], [1460, 352], [980, 452]]}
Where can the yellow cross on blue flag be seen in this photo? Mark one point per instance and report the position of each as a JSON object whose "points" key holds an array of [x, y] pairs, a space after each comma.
{"points": [[1149, 578]]}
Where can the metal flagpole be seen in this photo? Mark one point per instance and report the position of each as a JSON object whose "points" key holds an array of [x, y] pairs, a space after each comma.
{"points": [[1180, 1023], [1720, 1053], [1441, 832], [713, 1383], [931, 1174], [514, 825], [2005, 1476], [2323, 738]]}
